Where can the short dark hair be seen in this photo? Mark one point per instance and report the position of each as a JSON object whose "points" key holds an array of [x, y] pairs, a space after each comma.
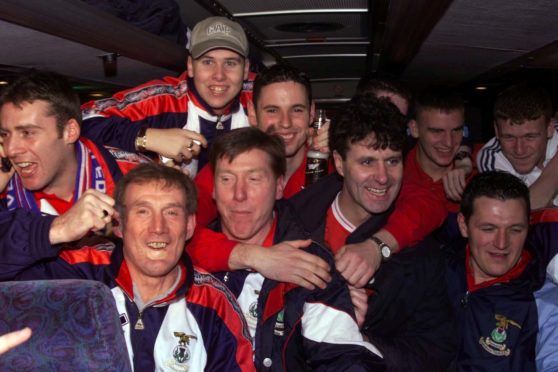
{"points": [[230, 145], [440, 98], [45, 86], [280, 73], [495, 185], [151, 172], [374, 84], [363, 116], [521, 102]]}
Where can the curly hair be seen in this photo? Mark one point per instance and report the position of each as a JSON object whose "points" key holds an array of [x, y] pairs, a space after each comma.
{"points": [[363, 116]]}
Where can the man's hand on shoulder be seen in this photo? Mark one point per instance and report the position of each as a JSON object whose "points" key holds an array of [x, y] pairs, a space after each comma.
{"points": [[286, 262], [92, 212], [456, 179], [358, 262]]}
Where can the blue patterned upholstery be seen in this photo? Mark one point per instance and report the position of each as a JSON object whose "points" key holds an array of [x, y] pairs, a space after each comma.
{"points": [[75, 326]]}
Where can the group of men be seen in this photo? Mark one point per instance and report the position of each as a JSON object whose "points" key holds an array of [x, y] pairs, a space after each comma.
{"points": [[349, 274]]}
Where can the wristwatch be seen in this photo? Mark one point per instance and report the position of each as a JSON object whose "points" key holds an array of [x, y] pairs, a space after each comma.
{"points": [[385, 249], [462, 155], [141, 140]]}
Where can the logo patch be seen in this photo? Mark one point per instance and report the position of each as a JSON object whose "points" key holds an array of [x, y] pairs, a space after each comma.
{"points": [[494, 343], [181, 352]]}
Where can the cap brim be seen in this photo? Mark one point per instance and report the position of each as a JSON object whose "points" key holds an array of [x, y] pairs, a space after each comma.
{"points": [[202, 48]]}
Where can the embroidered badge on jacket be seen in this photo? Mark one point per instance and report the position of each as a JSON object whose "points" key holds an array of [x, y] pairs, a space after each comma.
{"points": [[494, 343], [181, 352]]}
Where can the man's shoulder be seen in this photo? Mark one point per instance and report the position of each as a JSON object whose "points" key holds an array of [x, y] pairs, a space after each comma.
{"points": [[168, 86], [207, 289], [490, 156], [127, 160]]}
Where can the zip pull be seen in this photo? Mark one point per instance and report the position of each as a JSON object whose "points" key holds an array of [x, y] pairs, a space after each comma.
{"points": [[219, 125], [465, 299], [139, 324]]}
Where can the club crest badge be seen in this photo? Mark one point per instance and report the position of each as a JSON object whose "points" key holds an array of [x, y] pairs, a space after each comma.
{"points": [[181, 352], [279, 329], [253, 309], [495, 343]]}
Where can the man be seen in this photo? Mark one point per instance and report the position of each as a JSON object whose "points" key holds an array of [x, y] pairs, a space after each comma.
{"points": [[408, 309], [173, 317], [526, 142], [52, 166], [178, 117], [386, 87], [294, 328], [438, 130], [492, 275]]}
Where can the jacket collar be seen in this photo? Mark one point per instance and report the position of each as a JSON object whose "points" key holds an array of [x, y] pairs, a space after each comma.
{"points": [[120, 274]]}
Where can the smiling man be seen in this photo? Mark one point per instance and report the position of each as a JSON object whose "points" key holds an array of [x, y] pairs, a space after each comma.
{"points": [[408, 310], [179, 117], [52, 166], [438, 128], [161, 298], [526, 142], [491, 276]]}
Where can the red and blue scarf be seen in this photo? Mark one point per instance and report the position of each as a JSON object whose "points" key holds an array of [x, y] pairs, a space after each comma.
{"points": [[91, 175]]}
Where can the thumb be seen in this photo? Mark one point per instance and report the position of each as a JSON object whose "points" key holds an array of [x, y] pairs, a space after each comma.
{"points": [[300, 243]]}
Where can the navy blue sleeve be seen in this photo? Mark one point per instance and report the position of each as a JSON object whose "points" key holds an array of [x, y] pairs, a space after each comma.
{"points": [[122, 132], [24, 240]]}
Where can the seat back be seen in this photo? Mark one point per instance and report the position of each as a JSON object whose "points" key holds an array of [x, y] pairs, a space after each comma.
{"points": [[75, 325]]}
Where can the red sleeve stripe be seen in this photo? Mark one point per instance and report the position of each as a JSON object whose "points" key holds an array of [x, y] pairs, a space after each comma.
{"points": [[88, 255]]}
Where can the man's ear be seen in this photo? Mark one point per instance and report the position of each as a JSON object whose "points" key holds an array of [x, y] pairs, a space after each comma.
{"points": [[280, 188], [190, 226], [246, 68], [252, 117], [496, 132], [190, 67], [550, 128], [338, 161], [117, 225], [413, 127], [71, 131], [462, 225], [312, 113]]}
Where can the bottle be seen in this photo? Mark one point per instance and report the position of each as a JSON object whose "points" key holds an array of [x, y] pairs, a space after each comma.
{"points": [[317, 162]]}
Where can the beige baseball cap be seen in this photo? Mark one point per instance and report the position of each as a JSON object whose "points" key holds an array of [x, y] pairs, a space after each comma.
{"points": [[218, 33]]}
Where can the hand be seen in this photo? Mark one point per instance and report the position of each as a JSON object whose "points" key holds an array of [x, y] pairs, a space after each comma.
{"points": [[455, 181], [319, 141], [171, 164], [286, 262], [92, 212], [13, 339], [178, 144], [5, 176], [359, 298], [358, 262]]}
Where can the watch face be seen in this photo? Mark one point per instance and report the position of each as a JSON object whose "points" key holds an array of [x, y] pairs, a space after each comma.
{"points": [[386, 252]]}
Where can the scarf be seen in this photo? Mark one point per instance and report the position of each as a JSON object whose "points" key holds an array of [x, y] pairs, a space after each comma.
{"points": [[90, 175]]}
